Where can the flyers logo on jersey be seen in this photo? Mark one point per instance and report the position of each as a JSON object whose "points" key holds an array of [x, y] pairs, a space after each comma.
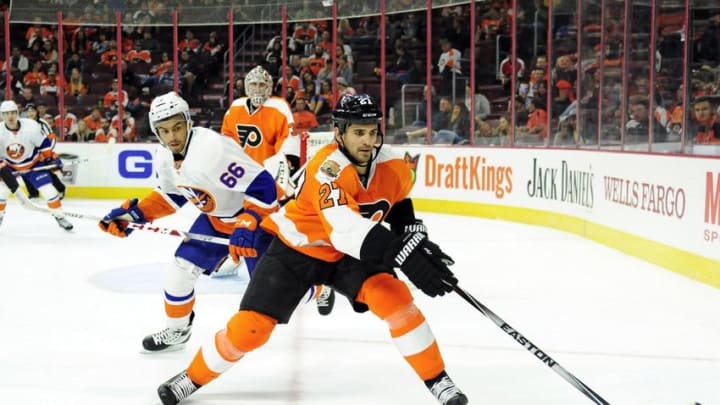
{"points": [[15, 151], [331, 168], [202, 199]]}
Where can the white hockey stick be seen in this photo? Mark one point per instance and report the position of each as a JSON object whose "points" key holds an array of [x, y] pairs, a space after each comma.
{"points": [[54, 166], [141, 227]]}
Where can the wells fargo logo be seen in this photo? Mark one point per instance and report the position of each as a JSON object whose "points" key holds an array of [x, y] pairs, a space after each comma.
{"points": [[412, 161], [474, 173]]}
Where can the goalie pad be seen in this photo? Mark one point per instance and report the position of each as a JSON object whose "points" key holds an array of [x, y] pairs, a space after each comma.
{"points": [[279, 168]]}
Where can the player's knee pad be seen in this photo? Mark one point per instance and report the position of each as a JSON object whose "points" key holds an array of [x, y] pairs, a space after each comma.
{"points": [[248, 330], [385, 294], [181, 277]]}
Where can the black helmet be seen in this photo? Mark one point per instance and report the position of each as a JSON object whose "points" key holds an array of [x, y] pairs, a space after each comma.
{"points": [[356, 109]]}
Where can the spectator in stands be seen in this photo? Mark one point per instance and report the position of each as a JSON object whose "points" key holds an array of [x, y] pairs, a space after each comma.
{"points": [[482, 104], [503, 127], [50, 86], [317, 61], [80, 43], [128, 128], [273, 59], [304, 37], [75, 85], [639, 123], [290, 80], [440, 120], [344, 88], [402, 67], [101, 44], [26, 97], [565, 96], [189, 43], [69, 125], [93, 121], [105, 132], [308, 91], [483, 128], [19, 65], [305, 120], [323, 102], [345, 30], [138, 54], [410, 29], [35, 76], [110, 99], [38, 33], [567, 132], [110, 56], [457, 130], [537, 122], [565, 70], [190, 73], [238, 91], [83, 133], [449, 67], [708, 130], [344, 70], [75, 62], [148, 42]]}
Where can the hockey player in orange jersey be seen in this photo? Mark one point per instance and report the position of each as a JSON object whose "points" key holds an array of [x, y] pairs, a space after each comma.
{"points": [[331, 234], [262, 124]]}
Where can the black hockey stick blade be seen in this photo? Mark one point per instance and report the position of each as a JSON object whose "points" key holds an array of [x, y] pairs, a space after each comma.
{"points": [[532, 348]]}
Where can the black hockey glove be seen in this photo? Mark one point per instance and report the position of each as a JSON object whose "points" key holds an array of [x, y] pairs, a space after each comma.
{"points": [[423, 262], [417, 226]]}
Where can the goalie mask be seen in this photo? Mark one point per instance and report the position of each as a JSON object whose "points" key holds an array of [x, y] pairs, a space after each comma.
{"points": [[165, 107], [258, 85]]}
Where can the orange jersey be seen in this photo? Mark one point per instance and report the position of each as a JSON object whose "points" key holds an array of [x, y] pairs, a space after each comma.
{"points": [[261, 133], [333, 212]]}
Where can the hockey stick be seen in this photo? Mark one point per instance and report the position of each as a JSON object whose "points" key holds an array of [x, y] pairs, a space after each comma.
{"points": [[55, 166], [141, 227], [536, 351]]}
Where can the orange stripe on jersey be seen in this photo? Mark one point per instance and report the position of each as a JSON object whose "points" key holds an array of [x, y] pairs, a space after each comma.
{"points": [[179, 311], [225, 347], [54, 204], [154, 206], [261, 133], [2, 206]]}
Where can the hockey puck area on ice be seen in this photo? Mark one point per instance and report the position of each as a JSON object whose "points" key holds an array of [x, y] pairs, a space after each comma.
{"points": [[150, 278]]}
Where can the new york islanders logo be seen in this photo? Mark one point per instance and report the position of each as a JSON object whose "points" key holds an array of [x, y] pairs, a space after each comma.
{"points": [[15, 151], [202, 199], [412, 161]]}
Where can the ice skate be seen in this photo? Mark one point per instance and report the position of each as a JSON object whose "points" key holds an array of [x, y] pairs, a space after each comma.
{"points": [[168, 340], [63, 222], [174, 390], [445, 390], [325, 301]]}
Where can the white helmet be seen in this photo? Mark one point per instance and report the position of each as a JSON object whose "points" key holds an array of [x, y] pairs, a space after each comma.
{"points": [[166, 106], [8, 106], [258, 95]]}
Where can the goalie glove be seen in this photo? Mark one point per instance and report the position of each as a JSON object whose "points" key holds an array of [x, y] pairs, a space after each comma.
{"points": [[422, 262], [243, 238], [116, 221]]}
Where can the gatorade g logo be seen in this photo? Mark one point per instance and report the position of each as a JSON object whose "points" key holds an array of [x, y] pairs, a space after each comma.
{"points": [[15, 151], [135, 164]]}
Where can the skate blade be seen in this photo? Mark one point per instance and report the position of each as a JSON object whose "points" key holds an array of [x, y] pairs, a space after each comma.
{"points": [[173, 348]]}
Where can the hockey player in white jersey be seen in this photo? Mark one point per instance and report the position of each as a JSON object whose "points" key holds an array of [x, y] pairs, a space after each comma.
{"points": [[25, 147], [232, 191]]}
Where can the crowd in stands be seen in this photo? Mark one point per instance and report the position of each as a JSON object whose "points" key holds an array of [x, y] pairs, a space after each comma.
{"points": [[556, 99]]}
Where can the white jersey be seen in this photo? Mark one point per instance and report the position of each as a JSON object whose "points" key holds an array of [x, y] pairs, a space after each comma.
{"points": [[24, 147], [216, 175]]}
